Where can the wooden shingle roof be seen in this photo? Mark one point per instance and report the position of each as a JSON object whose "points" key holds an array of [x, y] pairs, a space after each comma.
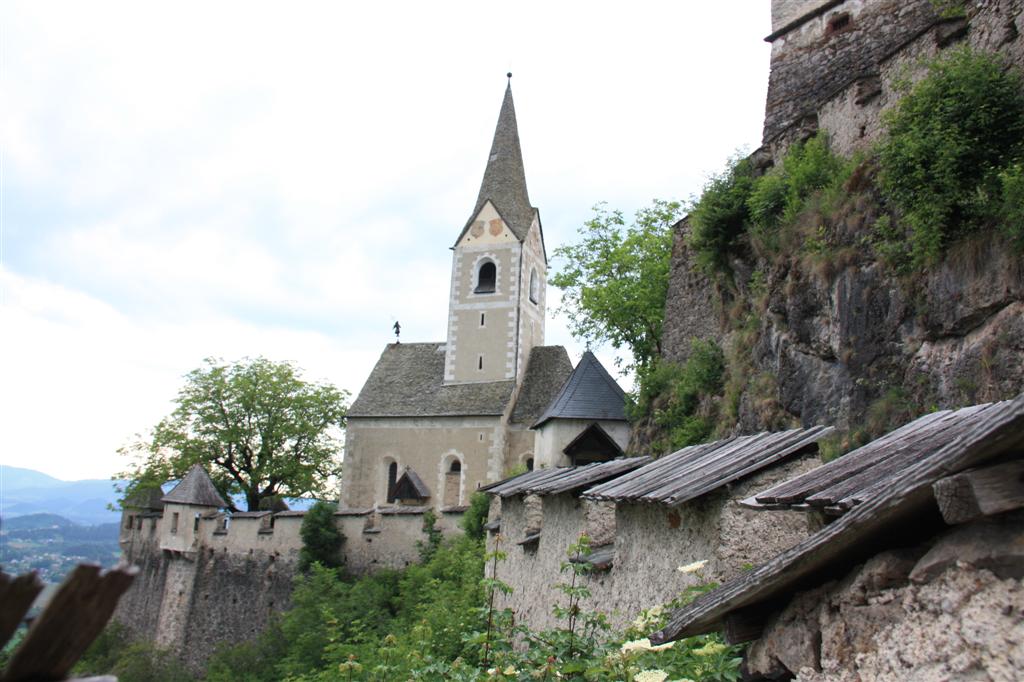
{"points": [[698, 469], [898, 500], [853, 479], [563, 479]]}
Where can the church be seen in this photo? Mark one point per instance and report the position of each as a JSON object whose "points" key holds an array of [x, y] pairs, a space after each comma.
{"points": [[437, 420]]}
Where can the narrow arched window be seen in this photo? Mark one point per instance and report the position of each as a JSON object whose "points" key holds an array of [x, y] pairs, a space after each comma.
{"points": [[392, 479], [534, 287], [529, 464], [486, 278], [456, 467]]}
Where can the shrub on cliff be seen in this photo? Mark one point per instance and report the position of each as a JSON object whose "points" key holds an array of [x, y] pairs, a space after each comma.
{"points": [[321, 538], [952, 140], [720, 217]]}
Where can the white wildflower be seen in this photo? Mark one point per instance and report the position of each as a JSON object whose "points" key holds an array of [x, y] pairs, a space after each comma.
{"points": [[694, 567], [644, 644], [650, 676]]}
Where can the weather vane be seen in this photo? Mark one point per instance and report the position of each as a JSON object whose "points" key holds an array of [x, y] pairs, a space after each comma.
{"points": [[398, 330]]}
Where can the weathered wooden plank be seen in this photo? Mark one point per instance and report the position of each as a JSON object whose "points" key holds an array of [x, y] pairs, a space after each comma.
{"points": [[721, 460], [16, 597], [981, 492], [859, 486], [71, 621], [745, 466], [745, 625], [799, 488], [855, 535], [650, 474]]}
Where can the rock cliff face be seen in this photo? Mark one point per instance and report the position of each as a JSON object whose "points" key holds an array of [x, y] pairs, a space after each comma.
{"points": [[840, 338]]}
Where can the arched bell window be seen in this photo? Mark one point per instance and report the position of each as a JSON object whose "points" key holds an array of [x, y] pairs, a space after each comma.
{"points": [[456, 467], [486, 278]]}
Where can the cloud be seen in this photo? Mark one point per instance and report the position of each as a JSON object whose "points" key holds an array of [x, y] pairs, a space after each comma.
{"points": [[248, 178]]}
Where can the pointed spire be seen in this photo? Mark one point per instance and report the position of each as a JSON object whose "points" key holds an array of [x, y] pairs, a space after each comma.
{"points": [[504, 182]]}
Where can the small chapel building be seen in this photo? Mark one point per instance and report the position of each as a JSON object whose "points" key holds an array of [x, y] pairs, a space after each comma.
{"points": [[435, 421]]}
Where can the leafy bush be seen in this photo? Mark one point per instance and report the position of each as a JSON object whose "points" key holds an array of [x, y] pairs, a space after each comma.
{"points": [[949, 155], [476, 516], [721, 214], [670, 394], [321, 537]]}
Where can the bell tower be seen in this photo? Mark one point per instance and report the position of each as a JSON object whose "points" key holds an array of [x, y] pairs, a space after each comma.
{"points": [[499, 270]]}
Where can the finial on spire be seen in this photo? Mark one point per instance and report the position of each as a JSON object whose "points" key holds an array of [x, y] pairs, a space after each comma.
{"points": [[509, 75], [398, 330]]}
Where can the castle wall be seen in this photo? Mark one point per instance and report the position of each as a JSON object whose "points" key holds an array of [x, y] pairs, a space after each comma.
{"points": [[428, 446], [651, 542]]}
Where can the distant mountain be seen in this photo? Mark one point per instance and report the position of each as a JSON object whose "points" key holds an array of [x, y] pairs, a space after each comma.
{"points": [[24, 492], [34, 521], [15, 477]]}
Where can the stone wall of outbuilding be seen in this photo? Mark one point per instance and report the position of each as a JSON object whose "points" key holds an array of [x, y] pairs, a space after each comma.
{"points": [[651, 543]]}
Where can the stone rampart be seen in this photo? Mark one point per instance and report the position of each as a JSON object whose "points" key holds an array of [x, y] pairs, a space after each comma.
{"points": [[218, 578]]}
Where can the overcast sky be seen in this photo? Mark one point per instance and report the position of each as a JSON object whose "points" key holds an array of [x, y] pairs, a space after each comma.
{"points": [[183, 180]]}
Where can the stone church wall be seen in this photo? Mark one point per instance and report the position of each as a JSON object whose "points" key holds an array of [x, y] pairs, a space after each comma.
{"points": [[651, 543]]}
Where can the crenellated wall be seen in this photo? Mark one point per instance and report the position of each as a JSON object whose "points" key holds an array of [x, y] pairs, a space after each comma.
{"points": [[217, 581]]}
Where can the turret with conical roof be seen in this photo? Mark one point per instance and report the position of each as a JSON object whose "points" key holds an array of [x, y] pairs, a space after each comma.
{"points": [[194, 497], [499, 270]]}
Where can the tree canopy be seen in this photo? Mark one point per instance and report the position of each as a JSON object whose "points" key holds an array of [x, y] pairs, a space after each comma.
{"points": [[614, 280], [256, 426]]}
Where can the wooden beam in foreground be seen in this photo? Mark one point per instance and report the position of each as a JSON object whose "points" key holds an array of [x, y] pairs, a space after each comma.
{"points": [[981, 492]]}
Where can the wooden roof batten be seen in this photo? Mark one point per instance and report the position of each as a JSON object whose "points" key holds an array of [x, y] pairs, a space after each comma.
{"points": [[563, 479], [995, 430]]}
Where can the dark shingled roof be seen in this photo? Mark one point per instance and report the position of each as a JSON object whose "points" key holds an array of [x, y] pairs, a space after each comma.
{"points": [[546, 372], [589, 393], [698, 469], [563, 479], [408, 381], [197, 489], [902, 500], [504, 182]]}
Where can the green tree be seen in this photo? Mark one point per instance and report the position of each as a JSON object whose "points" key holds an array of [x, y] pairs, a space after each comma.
{"points": [[614, 280], [255, 425], [321, 538]]}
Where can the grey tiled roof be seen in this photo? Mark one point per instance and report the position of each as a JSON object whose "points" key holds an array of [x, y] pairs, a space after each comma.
{"points": [[504, 180], [589, 393], [196, 488], [408, 381], [546, 372]]}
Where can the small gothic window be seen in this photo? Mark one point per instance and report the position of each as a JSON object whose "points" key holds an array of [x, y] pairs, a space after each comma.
{"points": [[534, 287], [195, 524], [529, 464], [392, 478], [486, 278], [174, 522], [455, 467]]}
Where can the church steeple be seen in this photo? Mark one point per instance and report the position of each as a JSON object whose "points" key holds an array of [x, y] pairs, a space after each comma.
{"points": [[504, 182], [499, 271]]}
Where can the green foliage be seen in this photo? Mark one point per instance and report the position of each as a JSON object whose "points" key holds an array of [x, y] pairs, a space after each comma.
{"points": [[952, 144], [433, 533], [1012, 181], [719, 218], [255, 425], [949, 9], [614, 280], [737, 204], [671, 395], [321, 537], [475, 518], [113, 653]]}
